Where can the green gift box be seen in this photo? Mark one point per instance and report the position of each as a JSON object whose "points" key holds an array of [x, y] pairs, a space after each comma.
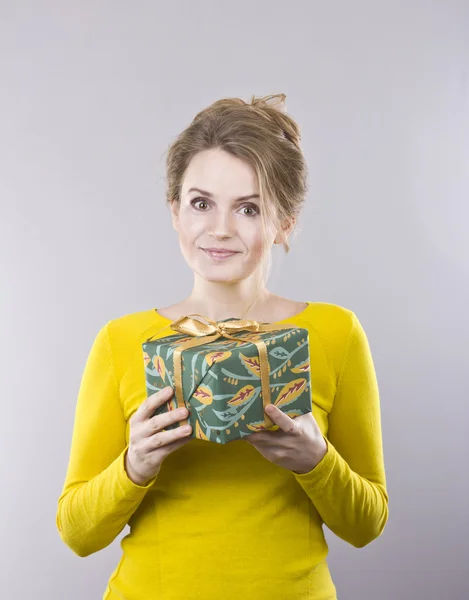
{"points": [[227, 371]]}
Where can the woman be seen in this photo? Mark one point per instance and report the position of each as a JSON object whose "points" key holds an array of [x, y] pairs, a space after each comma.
{"points": [[243, 519]]}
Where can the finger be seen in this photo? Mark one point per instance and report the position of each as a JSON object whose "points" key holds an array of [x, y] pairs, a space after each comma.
{"points": [[166, 438], [267, 439], [263, 437], [285, 423], [159, 422], [150, 404], [178, 443]]}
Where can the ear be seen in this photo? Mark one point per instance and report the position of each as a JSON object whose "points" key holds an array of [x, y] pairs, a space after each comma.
{"points": [[286, 228], [174, 206]]}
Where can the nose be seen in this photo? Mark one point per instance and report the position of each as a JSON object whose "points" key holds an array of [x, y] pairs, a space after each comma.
{"points": [[221, 225]]}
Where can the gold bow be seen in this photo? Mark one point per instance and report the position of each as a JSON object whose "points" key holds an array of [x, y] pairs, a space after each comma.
{"points": [[211, 331]]}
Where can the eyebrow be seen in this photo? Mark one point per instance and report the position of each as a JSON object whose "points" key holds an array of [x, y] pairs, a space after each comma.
{"points": [[209, 195]]}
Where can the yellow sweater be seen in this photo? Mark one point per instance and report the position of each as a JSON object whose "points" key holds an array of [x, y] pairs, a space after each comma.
{"points": [[221, 521]]}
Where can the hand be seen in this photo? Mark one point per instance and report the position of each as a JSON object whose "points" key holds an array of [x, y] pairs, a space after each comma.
{"points": [[149, 445], [298, 445]]}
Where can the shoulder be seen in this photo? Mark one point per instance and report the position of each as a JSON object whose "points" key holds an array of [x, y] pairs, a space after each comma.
{"points": [[332, 320], [126, 334], [133, 324], [331, 327]]}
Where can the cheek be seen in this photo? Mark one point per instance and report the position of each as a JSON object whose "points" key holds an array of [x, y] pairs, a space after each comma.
{"points": [[253, 235], [190, 227], [255, 242]]}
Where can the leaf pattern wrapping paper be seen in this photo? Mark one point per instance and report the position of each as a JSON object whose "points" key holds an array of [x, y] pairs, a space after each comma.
{"points": [[221, 381]]}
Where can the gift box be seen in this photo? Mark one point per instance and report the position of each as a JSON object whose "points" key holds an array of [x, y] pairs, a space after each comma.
{"points": [[226, 372]]}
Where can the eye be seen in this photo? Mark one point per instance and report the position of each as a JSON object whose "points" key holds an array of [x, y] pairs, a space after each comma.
{"points": [[197, 200], [202, 201], [251, 207]]}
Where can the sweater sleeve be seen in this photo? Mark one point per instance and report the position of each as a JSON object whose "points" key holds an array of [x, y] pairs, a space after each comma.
{"points": [[348, 486], [98, 498]]}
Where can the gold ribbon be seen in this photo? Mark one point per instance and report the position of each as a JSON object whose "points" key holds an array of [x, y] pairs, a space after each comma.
{"points": [[211, 331]]}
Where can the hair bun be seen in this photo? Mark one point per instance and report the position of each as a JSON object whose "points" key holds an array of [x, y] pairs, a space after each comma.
{"points": [[274, 109], [277, 101]]}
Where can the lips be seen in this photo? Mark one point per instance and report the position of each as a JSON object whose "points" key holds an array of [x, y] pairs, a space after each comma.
{"points": [[219, 253]]}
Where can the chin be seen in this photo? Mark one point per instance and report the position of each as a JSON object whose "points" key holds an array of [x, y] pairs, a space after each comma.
{"points": [[221, 273], [220, 277]]}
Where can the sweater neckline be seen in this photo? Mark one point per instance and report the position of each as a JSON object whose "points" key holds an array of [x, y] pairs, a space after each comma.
{"points": [[299, 315]]}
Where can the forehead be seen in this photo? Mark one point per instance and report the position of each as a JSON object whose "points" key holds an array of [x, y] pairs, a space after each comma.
{"points": [[220, 173]]}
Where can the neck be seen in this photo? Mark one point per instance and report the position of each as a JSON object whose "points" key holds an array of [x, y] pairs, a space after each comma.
{"points": [[219, 301]]}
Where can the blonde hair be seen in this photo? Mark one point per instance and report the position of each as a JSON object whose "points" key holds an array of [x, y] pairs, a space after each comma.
{"points": [[261, 134]]}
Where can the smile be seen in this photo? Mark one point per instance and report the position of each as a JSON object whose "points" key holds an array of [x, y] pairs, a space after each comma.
{"points": [[219, 254]]}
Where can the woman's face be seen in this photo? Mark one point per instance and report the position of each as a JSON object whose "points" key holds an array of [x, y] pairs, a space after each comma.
{"points": [[219, 209]]}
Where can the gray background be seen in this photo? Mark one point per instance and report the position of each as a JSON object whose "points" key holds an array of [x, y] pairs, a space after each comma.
{"points": [[92, 94]]}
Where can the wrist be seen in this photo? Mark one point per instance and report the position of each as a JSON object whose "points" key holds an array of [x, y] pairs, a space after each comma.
{"points": [[318, 454], [132, 474]]}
